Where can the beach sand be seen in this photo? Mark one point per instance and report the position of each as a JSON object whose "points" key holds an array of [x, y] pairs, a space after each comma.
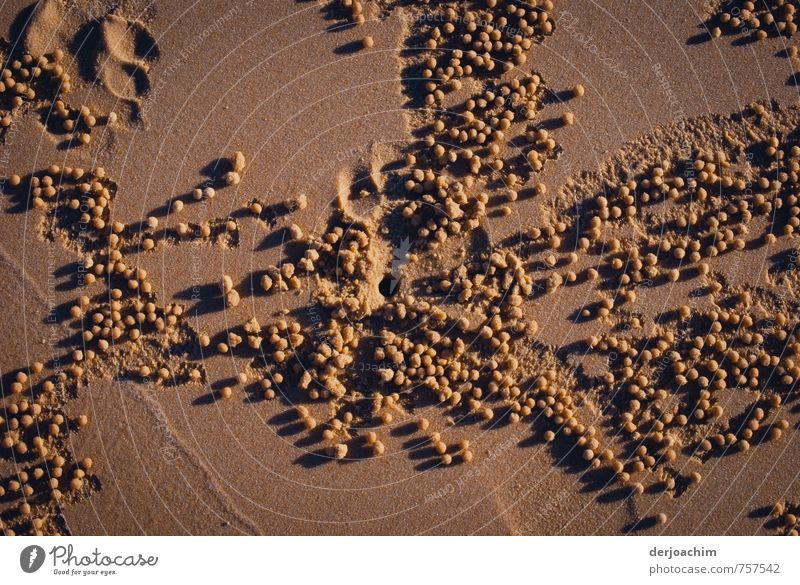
{"points": [[323, 119]]}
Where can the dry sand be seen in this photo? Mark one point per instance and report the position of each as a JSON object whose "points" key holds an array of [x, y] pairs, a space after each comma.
{"points": [[322, 119]]}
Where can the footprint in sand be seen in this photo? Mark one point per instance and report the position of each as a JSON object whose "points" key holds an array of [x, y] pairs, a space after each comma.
{"points": [[125, 53], [111, 48]]}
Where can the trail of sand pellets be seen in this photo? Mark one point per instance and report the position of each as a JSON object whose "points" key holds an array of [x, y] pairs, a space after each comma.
{"points": [[445, 318], [754, 21]]}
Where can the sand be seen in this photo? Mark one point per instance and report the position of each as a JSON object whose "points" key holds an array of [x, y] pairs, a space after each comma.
{"points": [[322, 119]]}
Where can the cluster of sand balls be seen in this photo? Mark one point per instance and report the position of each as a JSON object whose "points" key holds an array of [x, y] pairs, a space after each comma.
{"points": [[122, 319], [78, 122], [447, 359], [477, 136], [498, 284], [123, 326], [353, 9], [483, 44], [475, 372], [486, 41], [470, 369], [342, 254], [327, 357], [667, 390], [122, 329], [786, 516], [321, 365], [32, 80], [670, 390], [29, 79], [762, 19], [442, 207], [723, 203], [34, 436], [438, 206], [688, 212], [77, 200], [34, 426]]}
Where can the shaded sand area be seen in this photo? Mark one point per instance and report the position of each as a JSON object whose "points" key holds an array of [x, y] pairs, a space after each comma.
{"points": [[398, 268]]}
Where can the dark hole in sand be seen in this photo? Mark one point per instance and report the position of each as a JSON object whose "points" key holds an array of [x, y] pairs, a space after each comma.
{"points": [[389, 285]]}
